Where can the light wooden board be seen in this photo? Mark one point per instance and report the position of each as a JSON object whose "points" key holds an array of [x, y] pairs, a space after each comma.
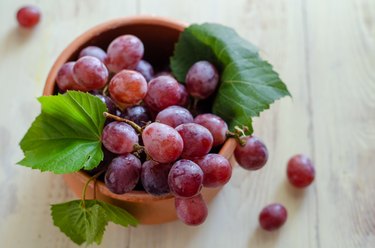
{"points": [[323, 50]]}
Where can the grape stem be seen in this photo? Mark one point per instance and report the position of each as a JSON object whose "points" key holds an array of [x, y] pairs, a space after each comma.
{"points": [[94, 177], [117, 118], [238, 134]]}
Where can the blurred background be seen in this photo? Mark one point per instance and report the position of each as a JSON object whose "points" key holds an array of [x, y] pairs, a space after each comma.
{"points": [[325, 53]]}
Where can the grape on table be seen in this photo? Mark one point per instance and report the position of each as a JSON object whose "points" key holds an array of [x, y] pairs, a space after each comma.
{"points": [[273, 216], [28, 16], [300, 171]]}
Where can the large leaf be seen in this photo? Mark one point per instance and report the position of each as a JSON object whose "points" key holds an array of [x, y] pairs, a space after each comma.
{"points": [[86, 224], [65, 137], [248, 84]]}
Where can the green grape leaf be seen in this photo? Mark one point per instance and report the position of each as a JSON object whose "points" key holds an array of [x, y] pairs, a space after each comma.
{"points": [[66, 136], [248, 84], [86, 223]]}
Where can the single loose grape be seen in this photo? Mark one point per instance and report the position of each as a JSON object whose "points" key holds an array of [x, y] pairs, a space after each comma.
{"points": [[272, 217], [300, 171], [28, 16]]}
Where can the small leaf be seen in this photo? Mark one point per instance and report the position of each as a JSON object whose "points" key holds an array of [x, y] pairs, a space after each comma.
{"points": [[248, 84], [87, 224], [65, 137], [80, 224]]}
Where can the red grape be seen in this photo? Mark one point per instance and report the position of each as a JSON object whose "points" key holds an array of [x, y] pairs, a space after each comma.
{"points": [[123, 174], [119, 137], [90, 73], [128, 87], [215, 124], [192, 211], [184, 96], [28, 16], [145, 69], [154, 177], [65, 78], [138, 114], [174, 116], [253, 155], [217, 170], [197, 140], [163, 91], [93, 51], [300, 171], [124, 52], [162, 142], [185, 178], [202, 79], [273, 217]]}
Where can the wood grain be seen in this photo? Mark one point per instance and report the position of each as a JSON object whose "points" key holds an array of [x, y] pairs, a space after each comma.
{"points": [[323, 50]]}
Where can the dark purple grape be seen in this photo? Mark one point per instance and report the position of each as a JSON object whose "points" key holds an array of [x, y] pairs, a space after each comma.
{"points": [[202, 79], [154, 177], [93, 51], [174, 116], [123, 174], [138, 114], [108, 102], [191, 211], [300, 171], [273, 217], [217, 170], [215, 125], [197, 140], [253, 155], [145, 69], [119, 137], [185, 178]]}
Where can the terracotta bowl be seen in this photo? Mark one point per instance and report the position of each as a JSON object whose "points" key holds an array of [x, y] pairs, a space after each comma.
{"points": [[159, 36]]}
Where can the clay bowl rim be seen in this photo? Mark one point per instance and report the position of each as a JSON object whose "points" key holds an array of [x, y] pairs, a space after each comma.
{"points": [[133, 196]]}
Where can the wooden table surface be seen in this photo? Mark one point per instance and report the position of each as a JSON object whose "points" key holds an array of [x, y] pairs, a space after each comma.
{"points": [[323, 50]]}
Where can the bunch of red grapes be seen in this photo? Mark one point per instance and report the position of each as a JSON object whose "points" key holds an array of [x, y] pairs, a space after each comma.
{"points": [[156, 139]]}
